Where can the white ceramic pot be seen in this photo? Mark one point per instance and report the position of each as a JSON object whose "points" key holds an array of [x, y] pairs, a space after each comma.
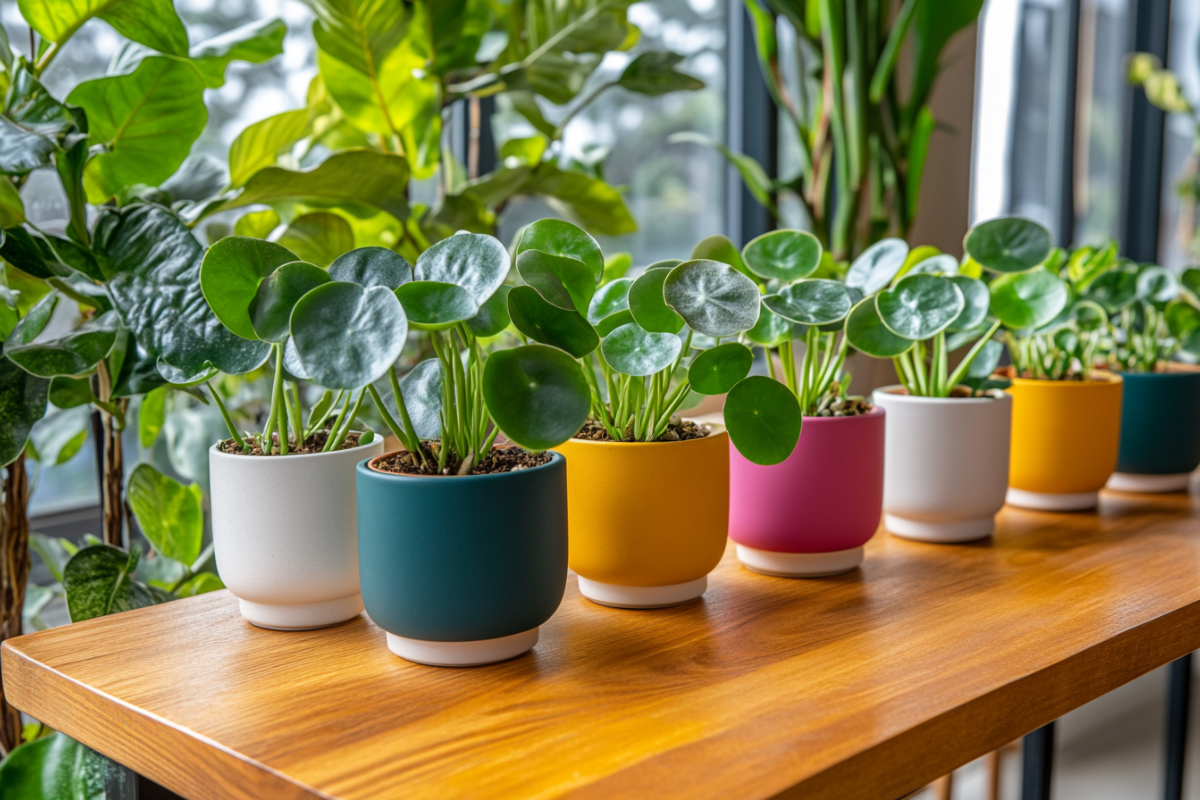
{"points": [[285, 530], [946, 465]]}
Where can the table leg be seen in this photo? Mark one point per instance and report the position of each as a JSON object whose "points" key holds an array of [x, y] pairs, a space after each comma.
{"points": [[1178, 702], [943, 787], [991, 766], [1037, 763]]}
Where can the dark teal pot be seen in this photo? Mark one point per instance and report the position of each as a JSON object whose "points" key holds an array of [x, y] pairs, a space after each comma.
{"points": [[1160, 423], [460, 559]]}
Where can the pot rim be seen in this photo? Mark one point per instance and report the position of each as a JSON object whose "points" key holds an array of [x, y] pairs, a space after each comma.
{"points": [[368, 465], [917, 399], [1164, 375], [292, 456], [876, 411], [1100, 377], [718, 430]]}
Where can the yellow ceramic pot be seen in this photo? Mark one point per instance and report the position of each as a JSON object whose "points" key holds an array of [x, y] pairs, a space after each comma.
{"points": [[1065, 438], [647, 521]]}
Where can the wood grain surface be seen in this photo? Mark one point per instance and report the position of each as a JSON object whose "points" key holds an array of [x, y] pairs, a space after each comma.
{"points": [[867, 685]]}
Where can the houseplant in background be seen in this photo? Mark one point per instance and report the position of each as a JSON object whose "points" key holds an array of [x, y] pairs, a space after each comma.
{"points": [[947, 445], [795, 514], [463, 544], [1066, 416]]}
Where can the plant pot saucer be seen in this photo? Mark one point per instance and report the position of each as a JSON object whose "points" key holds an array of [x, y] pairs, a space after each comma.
{"points": [[463, 654], [799, 565], [1051, 501], [1135, 482], [303, 616], [615, 596], [952, 532]]}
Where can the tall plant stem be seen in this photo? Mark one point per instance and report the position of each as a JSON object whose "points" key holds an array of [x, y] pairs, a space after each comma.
{"points": [[112, 494], [279, 401], [14, 575], [233, 433], [410, 440]]}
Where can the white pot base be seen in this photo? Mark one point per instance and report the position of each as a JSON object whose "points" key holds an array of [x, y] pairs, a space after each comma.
{"points": [[1134, 482], [1049, 501], [463, 654], [610, 594], [799, 565], [963, 530], [304, 617]]}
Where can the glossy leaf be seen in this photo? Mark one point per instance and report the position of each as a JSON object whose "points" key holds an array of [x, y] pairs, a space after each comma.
{"points": [[986, 361], [1028, 299], [866, 332], [55, 767], [976, 300], [631, 350], [153, 23], [716, 371], [422, 391], [613, 321], [763, 418], [609, 299], [475, 262], [74, 353], [435, 306], [57, 438], [537, 395], [563, 281], [720, 248], [713, 298], [593, 203], [348, 336], [649, 306], [772, 330], [318, 238], [493, 315], [169, 514], [548, 324], [557, 237], [372, 266], [70, 392], [99, 580], [260, 144], [784, 255], [22, 403], [291, 361], [1008, 244], [920, 306], [940, 264], [231, 273], [874, 269], [815, 301], [255, 42], [277, 295], [152, 415], [616, 266], [654, 74]]}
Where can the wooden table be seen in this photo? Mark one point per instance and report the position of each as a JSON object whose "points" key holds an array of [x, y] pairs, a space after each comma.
{"points": [[866, 685]]}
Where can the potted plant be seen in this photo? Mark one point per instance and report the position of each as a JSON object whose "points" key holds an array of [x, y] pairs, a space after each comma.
{"points": [[947, 448], [645, 344], [1153, 320], [792, 513], [449, 587], [283, 497], [1066, 415]]}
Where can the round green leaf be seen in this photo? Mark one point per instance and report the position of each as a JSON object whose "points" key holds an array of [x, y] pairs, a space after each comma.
{"points": [[371, 266], [716, 371], [560, 238], [1028, 299], [277, 295], [475, 262], [22, 403], [941, 264], [1008, 244], [348, 336], [613, 321], [1157, 285], [230, 274], [976, 296], [874, 269], [537, 394], [648, 306], [551, 325], [434, 306], [713, 298], [763, 418], [1114, 290], [811, 302], [564, 281], [1089, 316], [493, 315], [169, 514], [74, 353], [866, 332], [784, 255], [920, 306], [318, 238], [292, 362], [631, 350], [422, 390], [719, 248], [609, 299], [772, 330]]}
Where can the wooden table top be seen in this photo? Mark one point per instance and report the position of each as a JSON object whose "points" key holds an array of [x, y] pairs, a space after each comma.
{"points": [[866, 685]]}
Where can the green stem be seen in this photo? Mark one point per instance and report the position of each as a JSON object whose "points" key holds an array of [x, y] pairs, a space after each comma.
{"points": [[279, 397], [388, 419], [337, 423], [411, 441], [957, 376], [225, 415], [345, 428]]}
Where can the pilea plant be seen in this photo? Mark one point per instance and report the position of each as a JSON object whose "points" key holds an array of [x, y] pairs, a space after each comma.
{"points": [[1153, 316]]}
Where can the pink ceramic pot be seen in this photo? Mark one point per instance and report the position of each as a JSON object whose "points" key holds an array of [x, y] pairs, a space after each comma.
{"points": [[811, 514]]}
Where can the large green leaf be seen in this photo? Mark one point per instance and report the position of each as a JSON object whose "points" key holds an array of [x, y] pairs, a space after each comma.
{"points": [[153, 23], [435, 306], [147, 122], [784, 255], [594, 204], [232, 271], [422, 391], [718, 370], [1028, 299], [475, 262], [257, 224], [536, 394], [609, 299], [153, 261], [815, 301], [359, 33], [632, 350], [874, 269], [720, 248], [152, 415], [976, 300], [920, 306], [255, 42], [277, 295], [57, 438], [866, 332], [170, 515], [772, 330], [22, 403], [563, 281], [99, 580], [55, 767], [654, 74], [493, 315], [1008, 244], [318, 238], [74, 353], [713, 298], [372, 266], [12, 208], [34, 124], [936, 22], [548, 324], [649, 306], [763, 418], [560, 238], [348, 336], [260, 144]]}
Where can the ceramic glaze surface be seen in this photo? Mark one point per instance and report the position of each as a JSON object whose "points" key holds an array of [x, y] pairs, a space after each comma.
{"points": [[648, 513], [946, 462], [463, 558], [1065, 434], [825, 497], [1160, 423], [285, 530]]}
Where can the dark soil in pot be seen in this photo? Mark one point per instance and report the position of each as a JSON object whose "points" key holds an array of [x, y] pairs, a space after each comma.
{"points": [[675, 432], [501, 459], [313, 444]]}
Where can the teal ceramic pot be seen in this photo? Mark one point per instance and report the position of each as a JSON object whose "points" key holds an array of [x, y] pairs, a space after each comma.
{"points": [[1160, 431], [461, 571]]}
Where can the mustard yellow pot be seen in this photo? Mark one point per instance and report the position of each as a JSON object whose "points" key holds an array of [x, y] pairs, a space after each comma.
{"points": [[1065, 438], [646, 521]]}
